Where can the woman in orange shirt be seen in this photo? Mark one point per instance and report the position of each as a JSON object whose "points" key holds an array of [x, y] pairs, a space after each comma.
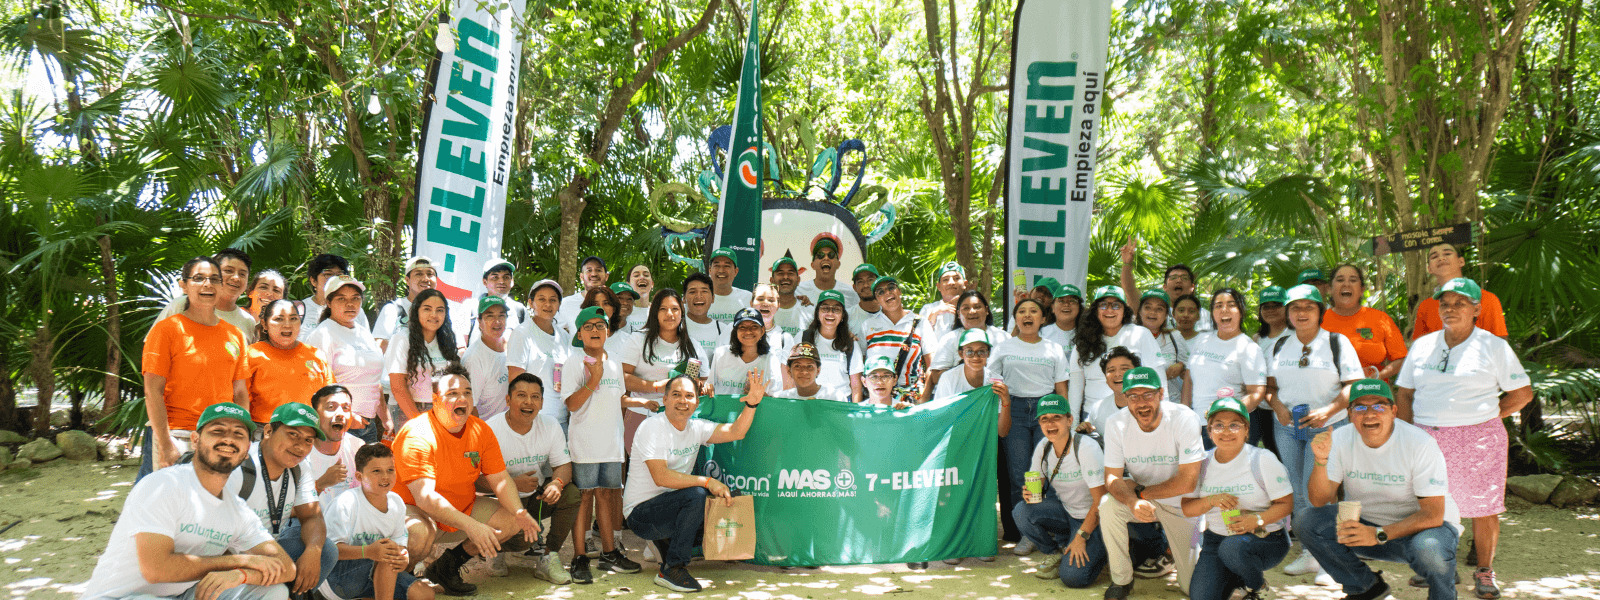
{"points": [[191, 360], [281, 369], [1378, 341]]}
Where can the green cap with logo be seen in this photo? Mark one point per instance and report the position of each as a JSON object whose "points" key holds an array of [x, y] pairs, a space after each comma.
{"points": [[864, 268], [824, 238], [1048, 283], [879, 363], [1140, 377], [1271, 294], [1463, 286], [619, 288], [949, 267], [1229, 404], [1304, 291], [722, 253], [974, 335], [295, 414], [1053, 404], [1371, 387], [884, 279], [787, 260], [584, 316], [1156, 293], [1067, 289], [1312, 274], [827, 295], [1110, 291], [488, 301], [225, 410]]}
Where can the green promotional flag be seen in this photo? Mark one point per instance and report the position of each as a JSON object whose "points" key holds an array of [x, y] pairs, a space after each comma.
{"points": [[837, 483], [739, 214]]}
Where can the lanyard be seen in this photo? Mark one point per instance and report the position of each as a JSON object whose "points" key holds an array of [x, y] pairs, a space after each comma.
{"points": [[274, 512], [1045, 459]]}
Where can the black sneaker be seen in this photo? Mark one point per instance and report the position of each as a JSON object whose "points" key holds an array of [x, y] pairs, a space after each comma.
{"points": [[677, 579], [616, 562], [918, 565], [1154, 568], [1118, 592], [446, 572], [580, 570], [1378, 590]]}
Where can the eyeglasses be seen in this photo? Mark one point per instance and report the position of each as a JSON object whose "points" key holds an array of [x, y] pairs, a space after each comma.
{"points": [[1110, 306], [593, 326], [1305, 356], [1444, 361], [1143, 396], [202, 280], [880, 376], [1226, 427], [1377, 408], [831, 309], [975, 352]]}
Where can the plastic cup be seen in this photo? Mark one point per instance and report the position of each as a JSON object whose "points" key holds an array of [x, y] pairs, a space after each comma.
{"points": [[1349, 510], [1229, 515], [1033, 483]]}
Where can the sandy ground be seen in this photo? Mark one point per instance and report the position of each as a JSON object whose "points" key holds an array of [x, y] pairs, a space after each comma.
{"points": [[60, 515]]}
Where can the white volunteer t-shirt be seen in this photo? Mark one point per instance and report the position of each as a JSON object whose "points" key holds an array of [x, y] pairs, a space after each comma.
{"points": [[809, 289], [391, 319], [779, 342], [1058, 335], [314, 317], [1266, 343], [595, 429], [1237, 477], [394, 363], [728, 372], [954, 383], [304, 493], [1173, 349], [537, 352], [1030, 369], [835, 371], [1467, 391], [569, 311], [1319, 382], [637, 319], [1215, 363], [539, 451], [793, 320], [317, 463], [656, 363], [172, 503], [723, 307], [943, 322], [708, 335], [946, 352], [486, 368], [356, 362], [657, 439], [1073, 474], [1088, 390], [858, 318], [239, 317], [823, 393], [1153, 457], [1389, 479]]}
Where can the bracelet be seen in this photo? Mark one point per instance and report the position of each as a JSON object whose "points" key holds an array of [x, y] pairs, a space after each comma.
{"points": [[559, 483], [1322, 463], [243, 576]]}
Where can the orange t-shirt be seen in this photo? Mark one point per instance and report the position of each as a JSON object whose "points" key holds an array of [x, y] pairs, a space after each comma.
{"points": [[1491, 316], [1376, 338], [276, 376], [425, 449], [200, 362]]}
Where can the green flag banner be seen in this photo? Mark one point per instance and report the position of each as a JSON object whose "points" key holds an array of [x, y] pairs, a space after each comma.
{"points": [[739, 214], [838, 483]]}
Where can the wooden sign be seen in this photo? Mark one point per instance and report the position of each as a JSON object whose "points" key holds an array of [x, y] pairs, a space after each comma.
{"points": [[1421, 239]]}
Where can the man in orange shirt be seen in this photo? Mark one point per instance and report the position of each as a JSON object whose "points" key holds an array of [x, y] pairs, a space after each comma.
{"points": [[439, 458], [1445, 263]]}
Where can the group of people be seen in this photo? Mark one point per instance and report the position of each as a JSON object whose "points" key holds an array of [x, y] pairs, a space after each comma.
{"points": [[467, 424]]}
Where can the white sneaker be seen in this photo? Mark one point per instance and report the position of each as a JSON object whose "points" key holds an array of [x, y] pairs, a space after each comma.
{"points": [[650, 552], [1304, 565], [1023, 548], [1324, 579], [549, 568]]}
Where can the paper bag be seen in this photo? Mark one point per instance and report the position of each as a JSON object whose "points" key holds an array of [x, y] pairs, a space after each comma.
{"points": [[730, 530]]}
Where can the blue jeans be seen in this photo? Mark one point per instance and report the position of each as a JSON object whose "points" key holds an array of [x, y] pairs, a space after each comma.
{"points": [[371, 433], [353, 579], [1431, 553], [243, 592], [1019, 442], [1051, 529], [1230, 562], [147, 454], [1296, 457], [289, 538], [678, 517]]}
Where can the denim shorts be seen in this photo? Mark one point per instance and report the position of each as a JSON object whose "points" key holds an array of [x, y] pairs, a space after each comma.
{"points": [[606, 475], [353, 579]]}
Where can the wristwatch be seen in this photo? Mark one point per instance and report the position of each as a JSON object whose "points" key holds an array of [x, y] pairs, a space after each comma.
{"points": [[1383, 536], [1083, 534], [1138, 491]]}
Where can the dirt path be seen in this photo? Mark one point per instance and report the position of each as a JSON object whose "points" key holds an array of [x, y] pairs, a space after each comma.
{"points": [[64, 512]]}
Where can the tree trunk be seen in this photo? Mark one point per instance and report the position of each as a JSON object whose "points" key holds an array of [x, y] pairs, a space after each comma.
{"points": [[111, 391], [42, 348]]}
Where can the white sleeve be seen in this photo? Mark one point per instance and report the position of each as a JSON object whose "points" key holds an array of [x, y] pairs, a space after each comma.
{"points": [[249, 532], [336, 516], [1180, 347], [1276, 477], [1253, 365], [397, 519], [1113, 456], [517, 342], [1075, 384], [650, 443], [1508, 370], [1062, 373], [1428, 472], [1350, 362], [1405, 379], [572, 375], [394, 360], [556, 447], [307, 492], [857, 360], [1337, 456], [630, 350], [153, 516], [388, 320], [1191, 450], [703, 430], [1093, 461]]}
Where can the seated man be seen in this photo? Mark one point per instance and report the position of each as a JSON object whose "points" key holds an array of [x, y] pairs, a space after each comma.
{"points": [[1396, 473], [1153, 456], [181, 536], [285, 500], [439, 457], [662, 502], [535, 451]]}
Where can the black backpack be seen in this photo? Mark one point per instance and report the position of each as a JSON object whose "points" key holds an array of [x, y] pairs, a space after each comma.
{"points": [[1333, 346]]}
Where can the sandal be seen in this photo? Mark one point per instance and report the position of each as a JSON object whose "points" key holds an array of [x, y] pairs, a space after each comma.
{"points": [[1485, 587]]}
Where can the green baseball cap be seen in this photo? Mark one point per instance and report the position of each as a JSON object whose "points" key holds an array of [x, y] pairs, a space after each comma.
{"points": [[884, 279], [722, 253], [948, 267], [1463, 286], [864, 268], [783, 261], [1229, 404], [879, 363], [1312, 275], [225, 410], [824, 238], [1304, 291], [583, 318], [1067, 289], [1048, 283], [1053, 404], [488, 301], [1110, 291], [1371, 387], [974, 335], [492, 264], [827, 295], [1270, 295], [1140, 377], [1156, 293], [619, 288], [295, 414]]}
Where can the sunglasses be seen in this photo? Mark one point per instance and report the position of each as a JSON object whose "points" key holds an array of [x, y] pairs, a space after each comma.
{"points": [[1444, 361], [1305, 356], [1377, 408]]}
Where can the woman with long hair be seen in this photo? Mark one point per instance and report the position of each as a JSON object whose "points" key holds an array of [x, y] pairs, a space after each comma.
{"points": [[838, 350], [1068, 311], [747, 349], [1154, 308], [354, 356], [643, 283], [1031, 367], [1107, 324], [972, 312], [429, 345], [268, 285]]}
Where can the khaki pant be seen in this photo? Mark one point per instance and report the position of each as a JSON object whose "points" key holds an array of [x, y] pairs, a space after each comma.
{"points": [[1180, 531]]}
